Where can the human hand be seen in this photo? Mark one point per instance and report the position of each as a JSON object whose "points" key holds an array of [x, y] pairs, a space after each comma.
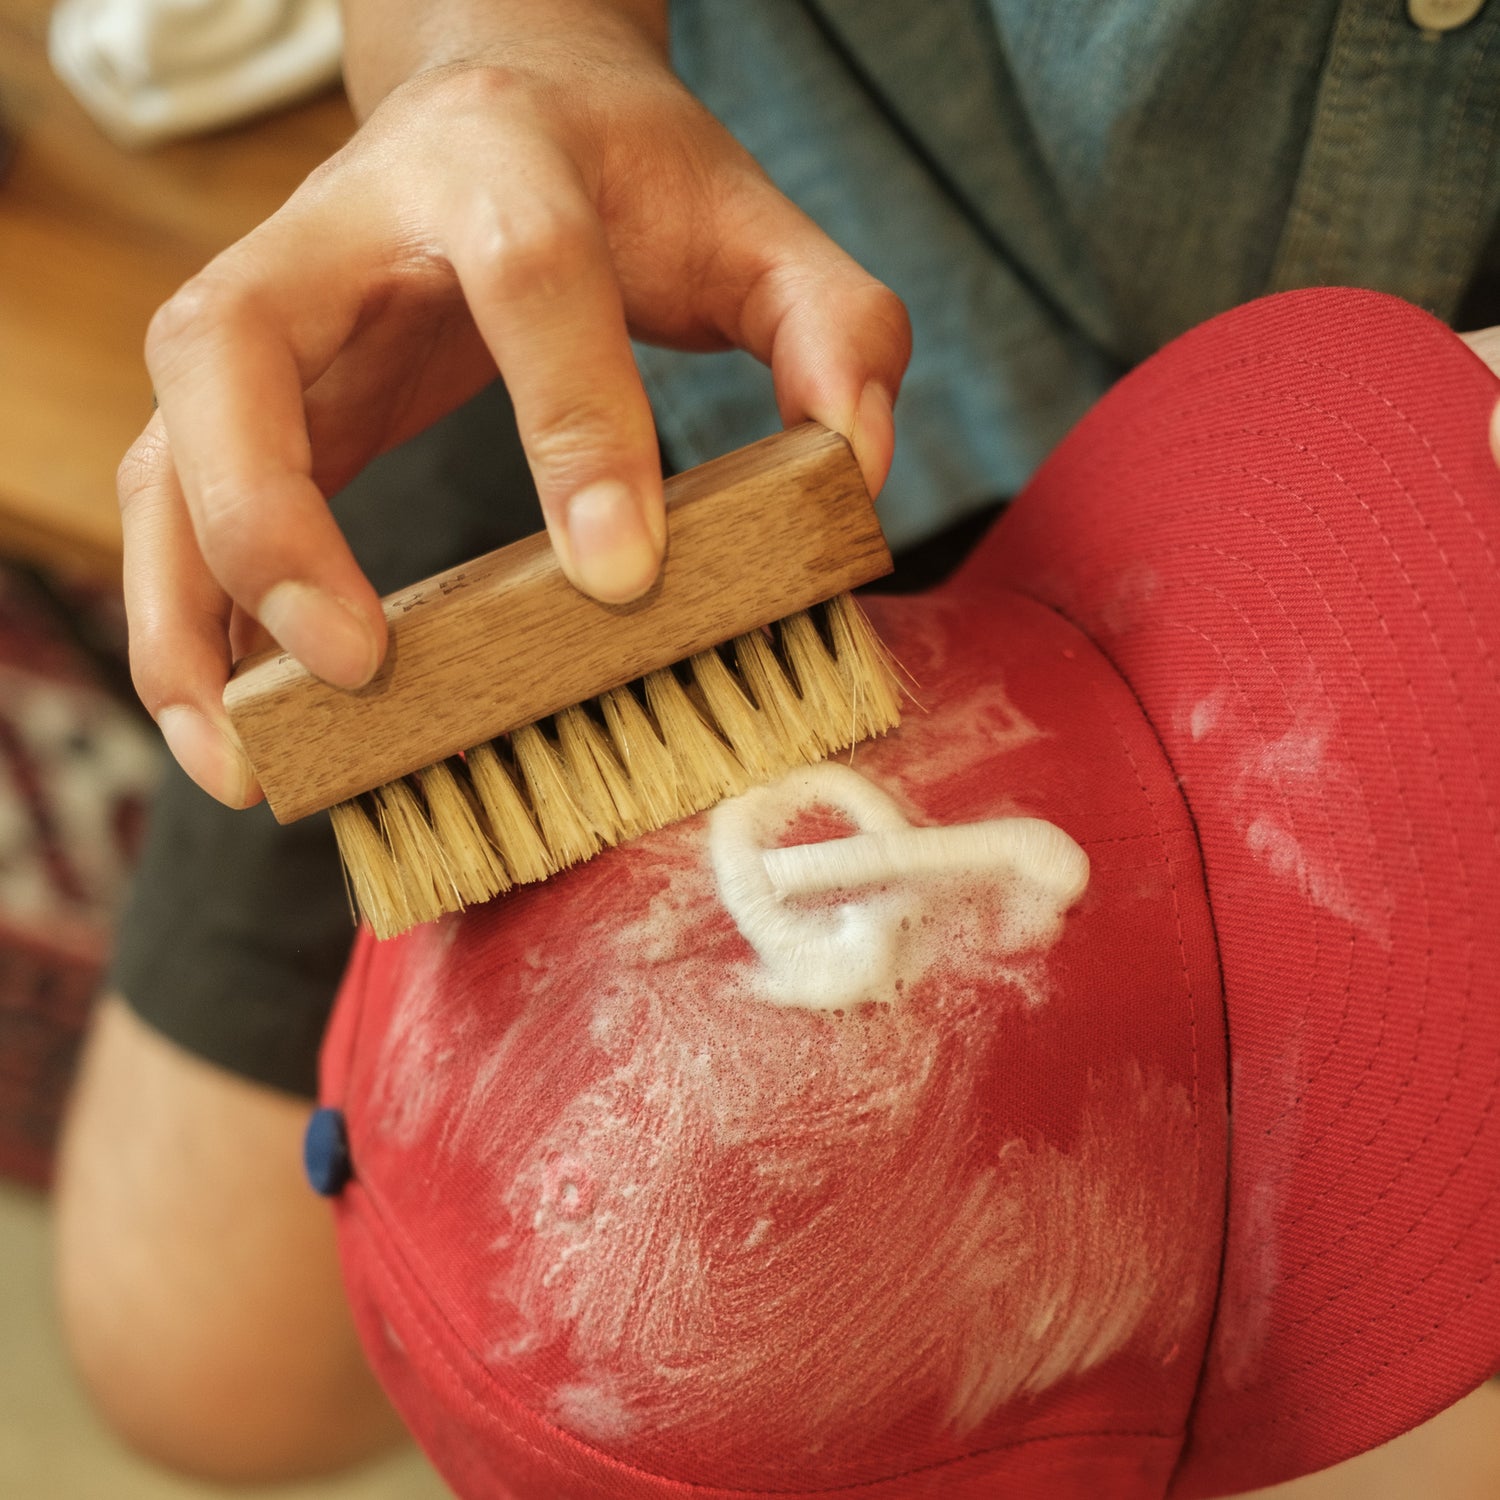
{"points": [[528, 217], [1485, 342]]}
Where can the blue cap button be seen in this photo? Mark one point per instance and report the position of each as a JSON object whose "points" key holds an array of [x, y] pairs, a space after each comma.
{"points": [[325, 1152]]}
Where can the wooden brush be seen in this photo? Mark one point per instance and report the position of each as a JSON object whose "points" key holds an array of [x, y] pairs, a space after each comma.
{"points": [[517, 726]]}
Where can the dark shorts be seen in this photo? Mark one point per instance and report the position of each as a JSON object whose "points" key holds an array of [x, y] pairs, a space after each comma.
{"points": [[238, 929]]}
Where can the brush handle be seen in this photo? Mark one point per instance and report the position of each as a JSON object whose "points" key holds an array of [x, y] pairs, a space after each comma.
{"points": [[496, 643]]}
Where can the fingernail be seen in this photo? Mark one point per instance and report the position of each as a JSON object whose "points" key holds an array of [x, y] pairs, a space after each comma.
{"points": [[614, 554], [656, 527], [874, 416], [210, 753], [322, 632], [875, 407]]}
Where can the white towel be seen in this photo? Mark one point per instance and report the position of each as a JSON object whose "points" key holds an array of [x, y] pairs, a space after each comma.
{"points": [[149, 70]]}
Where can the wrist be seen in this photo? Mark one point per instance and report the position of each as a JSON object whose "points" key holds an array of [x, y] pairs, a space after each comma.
{"points": [[388, 41]]}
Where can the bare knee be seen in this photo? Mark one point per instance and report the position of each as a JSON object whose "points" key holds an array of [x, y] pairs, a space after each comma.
{"points": [[197, 1279]]}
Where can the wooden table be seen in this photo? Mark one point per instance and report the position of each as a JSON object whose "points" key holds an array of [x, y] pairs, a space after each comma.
{"points": [[92, 240]]}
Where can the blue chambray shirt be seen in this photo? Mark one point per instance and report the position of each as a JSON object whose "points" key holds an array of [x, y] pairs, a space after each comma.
{"points": [[1058, 187]]}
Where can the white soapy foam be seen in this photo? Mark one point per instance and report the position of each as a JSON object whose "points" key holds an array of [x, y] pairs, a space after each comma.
{"points": [[887, 873]]}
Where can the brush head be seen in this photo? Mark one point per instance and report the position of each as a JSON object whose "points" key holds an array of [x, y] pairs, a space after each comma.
{"points": [[553, 793]]}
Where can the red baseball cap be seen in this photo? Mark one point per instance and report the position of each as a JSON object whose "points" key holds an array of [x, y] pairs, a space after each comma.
{"points": [[1089, 1089]]}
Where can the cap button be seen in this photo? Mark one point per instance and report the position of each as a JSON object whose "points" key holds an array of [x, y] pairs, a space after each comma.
{"points": [[325, 1152], [1434, 16]]}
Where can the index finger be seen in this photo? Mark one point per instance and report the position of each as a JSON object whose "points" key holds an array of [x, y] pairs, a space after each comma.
{"points": [[230, 356]]}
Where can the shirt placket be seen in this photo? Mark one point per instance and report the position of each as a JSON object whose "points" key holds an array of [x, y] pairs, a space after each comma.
{"points": [[1399, 187]]}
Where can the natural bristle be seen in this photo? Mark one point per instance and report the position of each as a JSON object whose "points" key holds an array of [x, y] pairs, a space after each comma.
{"points": [[551, 794]]}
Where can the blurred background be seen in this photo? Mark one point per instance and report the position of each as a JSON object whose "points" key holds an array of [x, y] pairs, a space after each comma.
{"points": [[104, 211]]}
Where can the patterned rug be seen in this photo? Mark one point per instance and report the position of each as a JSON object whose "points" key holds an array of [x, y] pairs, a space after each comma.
{"points": [[78, 761]]}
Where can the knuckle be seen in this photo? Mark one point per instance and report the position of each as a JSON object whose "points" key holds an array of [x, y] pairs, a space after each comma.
{"points": [[180, 316], [162, 642], [575, 438], [152, 686], [141, 470], [232, 530], [253, 533], [891, 312], [151, 672], [530, 249], [885, 315], [209, 299]]}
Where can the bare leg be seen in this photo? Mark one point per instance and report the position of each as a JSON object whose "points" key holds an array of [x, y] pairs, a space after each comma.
{"points": [[1455, 1456], [197, 1276]]}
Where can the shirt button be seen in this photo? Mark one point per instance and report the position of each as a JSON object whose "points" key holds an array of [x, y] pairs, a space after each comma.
{"points": [[325, 1152], [1442, 15]]}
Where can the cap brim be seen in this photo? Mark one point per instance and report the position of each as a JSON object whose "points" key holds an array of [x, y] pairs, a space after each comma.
{"points": [[1282, 531]]}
